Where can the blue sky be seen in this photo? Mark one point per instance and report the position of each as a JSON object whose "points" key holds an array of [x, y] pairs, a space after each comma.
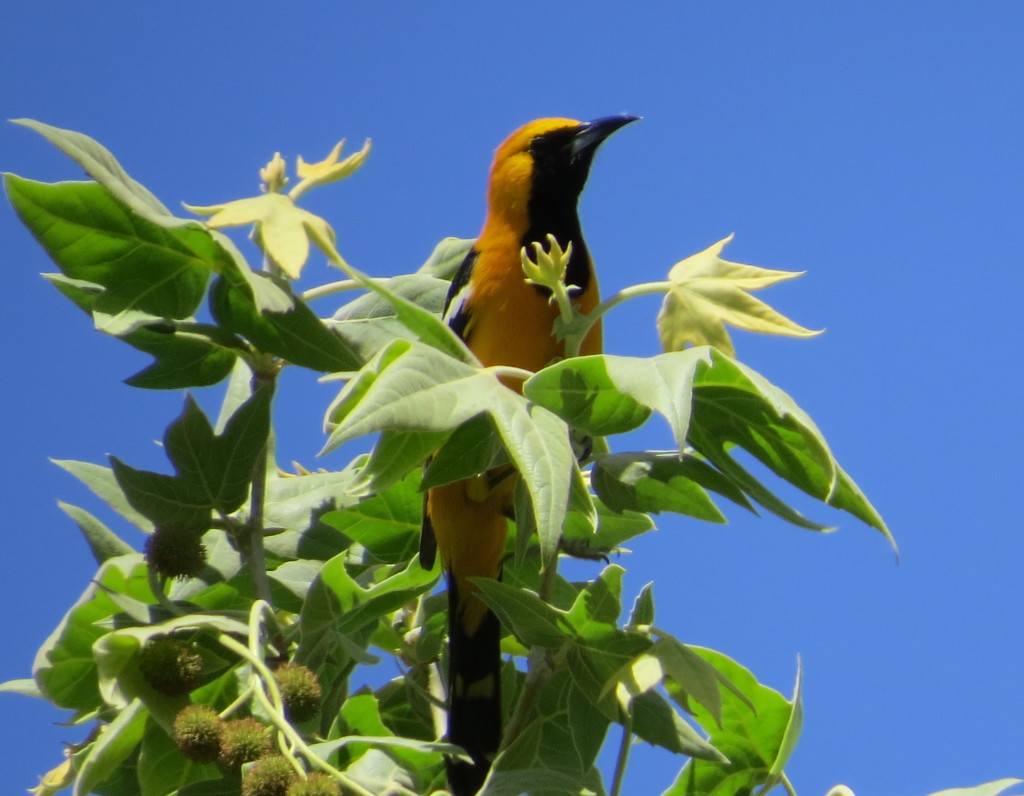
{"points": [[875, 145]]}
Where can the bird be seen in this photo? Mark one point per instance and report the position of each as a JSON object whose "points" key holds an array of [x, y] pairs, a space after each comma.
{"points": [[535, 182]]}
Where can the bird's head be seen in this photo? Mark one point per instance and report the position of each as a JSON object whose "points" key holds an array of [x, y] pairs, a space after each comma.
{"points": [[547, 160]]}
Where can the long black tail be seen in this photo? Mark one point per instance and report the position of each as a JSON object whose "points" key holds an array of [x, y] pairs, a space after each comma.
{"points": [[474, 695]]}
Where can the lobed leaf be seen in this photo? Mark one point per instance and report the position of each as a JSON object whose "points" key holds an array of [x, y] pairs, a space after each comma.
{"points": [[94, 237], [297, 335], [756, 749], [414, 387]]}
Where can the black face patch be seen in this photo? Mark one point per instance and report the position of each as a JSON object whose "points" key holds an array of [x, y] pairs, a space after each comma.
{"points": [[558, 180]]}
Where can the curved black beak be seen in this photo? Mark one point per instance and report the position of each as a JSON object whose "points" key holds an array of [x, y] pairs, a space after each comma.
{"points": [[589, 135]]}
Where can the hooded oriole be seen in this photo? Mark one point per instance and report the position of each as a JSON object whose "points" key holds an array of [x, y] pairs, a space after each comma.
{"points": [[535, 183]]}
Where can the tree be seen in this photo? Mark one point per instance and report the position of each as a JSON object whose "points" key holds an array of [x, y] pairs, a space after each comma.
{"points": [[236, 653]]}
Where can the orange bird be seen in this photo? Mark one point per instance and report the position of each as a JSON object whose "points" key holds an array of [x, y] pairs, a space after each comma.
{"points": [[535, 184]]}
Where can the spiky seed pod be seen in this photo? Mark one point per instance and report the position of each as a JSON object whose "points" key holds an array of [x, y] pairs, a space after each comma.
{"points": [[244, 740], [268, 776], [171, 666], [175, 552], [316, 784], [197, 732], [300, 691]]}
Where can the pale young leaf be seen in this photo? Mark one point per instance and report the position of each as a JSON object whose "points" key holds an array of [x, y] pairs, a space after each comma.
{"points": [[282, 227], [330, 169], [708, 292]]}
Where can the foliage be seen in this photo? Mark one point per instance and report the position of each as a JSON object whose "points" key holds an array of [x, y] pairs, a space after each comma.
{"points": [[315, 575]]}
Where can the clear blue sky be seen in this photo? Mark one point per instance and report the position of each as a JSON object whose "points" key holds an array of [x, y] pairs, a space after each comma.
{"points": [[876, 145]]}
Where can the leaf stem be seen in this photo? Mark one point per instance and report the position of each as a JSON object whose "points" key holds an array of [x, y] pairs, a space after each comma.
{"points": [[269, 696], [623, 757], [576, 332], [330, 289], [253, 530]]}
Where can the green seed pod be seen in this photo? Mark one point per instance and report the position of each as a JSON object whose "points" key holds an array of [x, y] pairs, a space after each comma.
{"points": [[175, 552], [300, 691], [197, 732], [244, 740], [268, 776], [171, 666]]}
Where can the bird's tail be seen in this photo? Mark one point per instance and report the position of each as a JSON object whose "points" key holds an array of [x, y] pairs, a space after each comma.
{"points": [[474, 687]]}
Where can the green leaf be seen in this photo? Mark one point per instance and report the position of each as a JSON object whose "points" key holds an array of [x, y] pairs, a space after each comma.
{"points": [[613, 528], [102, 481], [339, 615], [398, 453], [427, 326], [166, 500], [64, 667], [754, 736], [297, 503], [25, 686], [297, 577], [603, 657], [793, 727], [538, 781], [181, 360], [225, 785], [653, 482], [655, 721], [565, 734], [297, 335], [473, 448], [446, 258], [102, 541], [582, 392], [103, 167], [643, 608], [735, 406], [94, 237], [387, 525], [115, 743], [618, 393], [219, 467], [533, 621], [687, 674], [372, 320], [413, 387], [600, 600]]}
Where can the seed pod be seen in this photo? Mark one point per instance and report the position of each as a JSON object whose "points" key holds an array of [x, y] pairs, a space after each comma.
{"points": [[175, 552], [268, 776], [197, 732], [171, 666], [316, 784], [244, 740], [300, 691]]}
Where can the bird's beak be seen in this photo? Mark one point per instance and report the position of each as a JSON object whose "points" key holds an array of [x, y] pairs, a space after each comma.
{"points": [[589, 135]]}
